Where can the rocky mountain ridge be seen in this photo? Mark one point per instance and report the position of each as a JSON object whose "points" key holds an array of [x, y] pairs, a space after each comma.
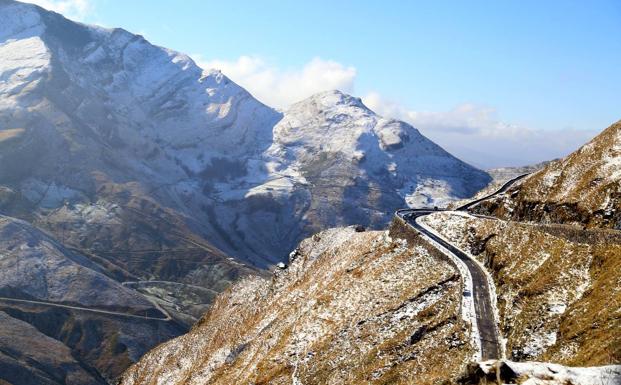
{"points": [[168, 182]]}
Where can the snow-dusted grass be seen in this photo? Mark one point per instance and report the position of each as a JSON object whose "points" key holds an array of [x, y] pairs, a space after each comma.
{"points": [[351, 308], [541, 281]]}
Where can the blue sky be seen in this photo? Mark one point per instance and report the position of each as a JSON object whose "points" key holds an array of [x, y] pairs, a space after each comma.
{"points": [[495, 82]]}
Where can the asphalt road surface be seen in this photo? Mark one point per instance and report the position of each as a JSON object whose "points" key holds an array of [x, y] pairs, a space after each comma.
{"points": [[490, 344], [501, 190]]}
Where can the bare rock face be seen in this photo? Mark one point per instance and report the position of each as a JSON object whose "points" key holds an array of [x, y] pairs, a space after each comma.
{"points": [[501, 175], [352, 307], [583, 189]]}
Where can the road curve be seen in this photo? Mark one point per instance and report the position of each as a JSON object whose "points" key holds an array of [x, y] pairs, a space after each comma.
{"points": [[486, 323], [501, 190]]}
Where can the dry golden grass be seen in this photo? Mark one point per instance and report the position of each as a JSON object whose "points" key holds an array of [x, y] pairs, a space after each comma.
{"points": [[582, 188], [551, 280], [337, 315], [594, 321]]}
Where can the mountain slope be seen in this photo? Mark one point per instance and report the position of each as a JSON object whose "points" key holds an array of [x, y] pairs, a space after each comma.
{"points": [[34, 266], [51, 369], [583, 188], [173, 180], [556, 286], [334, 162], [88, 346], [351, 308]]}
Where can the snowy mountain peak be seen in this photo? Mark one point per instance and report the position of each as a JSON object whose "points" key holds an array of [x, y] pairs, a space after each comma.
{"points": [[333, 98], [105, 104], [19, 20], [332, 136]]}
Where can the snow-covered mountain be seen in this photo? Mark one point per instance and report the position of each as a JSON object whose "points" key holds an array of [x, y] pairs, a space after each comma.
{"points": [[155, 169], [389, 155], [335, 162], [84, 107]]}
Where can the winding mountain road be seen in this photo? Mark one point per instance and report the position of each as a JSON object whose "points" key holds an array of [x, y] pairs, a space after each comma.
{"points": [[501, 190], [483, 301]]}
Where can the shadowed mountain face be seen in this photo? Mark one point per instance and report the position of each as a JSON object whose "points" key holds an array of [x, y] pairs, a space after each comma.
{"points": [[45, 339], [52, 369], [149, 168]]}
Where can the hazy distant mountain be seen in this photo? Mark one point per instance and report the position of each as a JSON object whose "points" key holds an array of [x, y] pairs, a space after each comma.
{"points": [[503, 174]]}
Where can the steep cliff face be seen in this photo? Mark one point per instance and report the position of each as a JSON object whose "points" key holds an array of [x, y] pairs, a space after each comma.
{"points": [[584, 188], [351, 308]]}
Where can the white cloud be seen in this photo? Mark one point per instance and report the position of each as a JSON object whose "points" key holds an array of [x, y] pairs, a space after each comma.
{"points": [[72, 9], [280, 88], [476, 134]]}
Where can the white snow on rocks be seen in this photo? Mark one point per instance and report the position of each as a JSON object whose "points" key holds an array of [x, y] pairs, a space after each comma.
{"points": [[544, 373]]}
